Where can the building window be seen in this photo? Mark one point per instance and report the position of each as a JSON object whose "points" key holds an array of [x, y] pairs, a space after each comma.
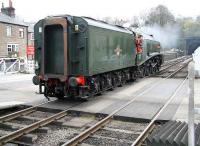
{"points": [[32, 36], [21, 33], [12, 48], [9, 30]]}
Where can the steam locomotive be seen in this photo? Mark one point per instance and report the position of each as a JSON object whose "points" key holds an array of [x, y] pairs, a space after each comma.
{"points": [[81, 57]]}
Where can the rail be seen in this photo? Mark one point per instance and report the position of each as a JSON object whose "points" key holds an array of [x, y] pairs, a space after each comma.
{"points": [[21, 112], [85, 134], [149, 128], [172, 64], [181, 67], [20, 132]]}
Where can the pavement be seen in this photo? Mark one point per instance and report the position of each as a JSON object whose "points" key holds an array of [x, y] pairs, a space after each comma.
{"points": [[19, 89]]}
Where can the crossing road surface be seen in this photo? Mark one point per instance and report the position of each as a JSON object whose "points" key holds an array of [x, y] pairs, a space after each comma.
{"points": [[18, 89]]}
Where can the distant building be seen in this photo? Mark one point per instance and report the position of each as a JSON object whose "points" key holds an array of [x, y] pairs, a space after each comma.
{"points": [[13, 32], [189, 44]]}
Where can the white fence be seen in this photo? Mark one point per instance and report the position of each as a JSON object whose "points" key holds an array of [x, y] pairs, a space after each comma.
{"points": [[192, 110], [30, 64], [14, 65]]}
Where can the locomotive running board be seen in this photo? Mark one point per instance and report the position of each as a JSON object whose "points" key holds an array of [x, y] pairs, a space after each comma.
{"points": [[49, 22]]}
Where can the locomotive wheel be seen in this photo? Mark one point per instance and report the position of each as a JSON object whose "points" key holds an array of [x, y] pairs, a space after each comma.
{"points": [[151, 70], [143, 72], [147, 71], [154, 70]]}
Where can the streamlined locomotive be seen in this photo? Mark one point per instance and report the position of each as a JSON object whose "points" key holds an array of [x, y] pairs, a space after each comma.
{"points": [[82, 57]]}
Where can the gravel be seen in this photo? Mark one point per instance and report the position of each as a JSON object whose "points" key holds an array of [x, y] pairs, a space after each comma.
{"points": [[99, 141], [130, 126], [55, 136], [40, 114], [117, 135], [3, 132]]}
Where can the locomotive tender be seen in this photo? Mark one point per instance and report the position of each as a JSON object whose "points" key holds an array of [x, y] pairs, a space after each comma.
{"points": [[82, 57]]}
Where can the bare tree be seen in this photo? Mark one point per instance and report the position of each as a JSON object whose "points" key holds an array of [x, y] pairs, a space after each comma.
{"points": [[118, 21], [135, 22], [159, 15], [115, 21]]}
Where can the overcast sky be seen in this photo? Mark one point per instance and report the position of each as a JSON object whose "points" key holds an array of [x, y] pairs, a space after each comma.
{"points": [[32, 10]]}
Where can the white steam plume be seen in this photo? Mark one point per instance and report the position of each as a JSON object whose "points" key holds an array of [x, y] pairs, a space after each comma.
{"points": [[168, 35]]}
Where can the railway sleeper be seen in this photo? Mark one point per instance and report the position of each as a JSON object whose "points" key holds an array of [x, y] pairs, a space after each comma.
{"points": [[15, 126], [104, 140], [28, 138]]}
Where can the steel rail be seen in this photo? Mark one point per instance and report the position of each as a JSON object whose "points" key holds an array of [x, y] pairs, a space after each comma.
{"points": [[85, 134], [179, 69], [171, 65], [21, 112], [74, 141], [149, 128], [169, 62], [18, 133]]}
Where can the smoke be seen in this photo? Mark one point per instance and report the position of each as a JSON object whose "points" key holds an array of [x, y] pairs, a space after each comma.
{"points": [[168, 35]]}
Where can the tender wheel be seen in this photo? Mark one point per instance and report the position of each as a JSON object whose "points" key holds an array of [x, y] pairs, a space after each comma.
{"points": [[147, 71], [151, 70]]}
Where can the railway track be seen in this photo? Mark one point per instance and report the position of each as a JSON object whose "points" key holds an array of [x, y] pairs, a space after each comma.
{"points": [[174, 69], [22, 127], [142, 136], [17, 124], [170, 62]]}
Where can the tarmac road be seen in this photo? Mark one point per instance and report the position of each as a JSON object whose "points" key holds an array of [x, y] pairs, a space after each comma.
{"points": [[18, 89]]}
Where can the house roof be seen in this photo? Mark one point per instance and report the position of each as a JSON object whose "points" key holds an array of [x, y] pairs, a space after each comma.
{"points": [[12, 20]]}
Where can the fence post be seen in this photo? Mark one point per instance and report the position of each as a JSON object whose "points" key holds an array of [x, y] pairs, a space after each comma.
{"points": [[19, 65], [4, 66], [191, 110]]}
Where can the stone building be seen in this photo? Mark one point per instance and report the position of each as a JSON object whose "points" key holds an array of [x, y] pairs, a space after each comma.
{"points": [[13, 33]]}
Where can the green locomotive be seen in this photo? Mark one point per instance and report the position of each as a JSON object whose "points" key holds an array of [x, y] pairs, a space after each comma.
{"points": [[81, 56]]}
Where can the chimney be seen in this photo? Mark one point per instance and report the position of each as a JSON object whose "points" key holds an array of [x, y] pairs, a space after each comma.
{"points": [[10, 3], [10, 11], [2, 5]]}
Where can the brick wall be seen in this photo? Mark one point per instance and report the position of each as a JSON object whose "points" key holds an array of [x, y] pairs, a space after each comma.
{"points": [[13, 39]]}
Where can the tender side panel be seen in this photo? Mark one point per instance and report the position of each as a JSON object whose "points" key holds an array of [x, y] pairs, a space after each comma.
{"points": [[109, 50], [77, 47], [38, 44]]}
